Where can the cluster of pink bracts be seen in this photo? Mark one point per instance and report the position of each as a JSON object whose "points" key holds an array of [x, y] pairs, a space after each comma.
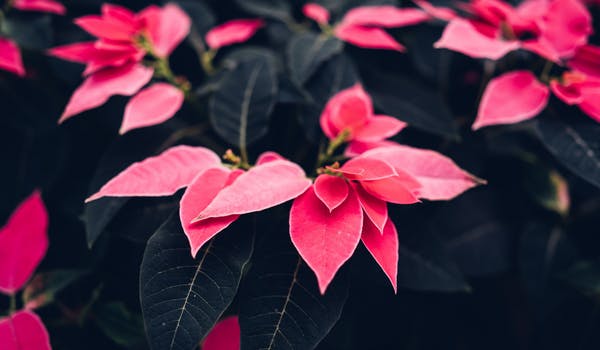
{"points": [[330, 215]]}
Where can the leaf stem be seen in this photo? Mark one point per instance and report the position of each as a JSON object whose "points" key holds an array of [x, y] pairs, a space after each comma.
{"points": [[13, 304], [545, 76], [206, 60], [332, 147]]}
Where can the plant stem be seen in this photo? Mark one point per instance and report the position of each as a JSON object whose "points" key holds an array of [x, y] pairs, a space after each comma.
{"points": [[244, 156], [13, 304], [545, 76], [206, 60]]}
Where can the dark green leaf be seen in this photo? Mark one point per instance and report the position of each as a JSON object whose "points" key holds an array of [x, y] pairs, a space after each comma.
{"points": [[31, 33], [281, 307], [182, 298], [126, 150], [306, 52], [119, 324], [276, 9], [424, 265], [412, 102], [43, 287], [335, 75], [575, 143], [585, 276], [241, 106]]}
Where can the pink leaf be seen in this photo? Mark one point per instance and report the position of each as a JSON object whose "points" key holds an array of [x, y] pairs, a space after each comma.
{"points": [[378, 128], [198, 196], [225, 336], [349, 109], [151, 106], [587, 60], [262, 187], [368, 37], [442, 13], [23, 331], [99, 87], [400, 189], [383, 247], [384, 16], [511, 98], [331, 190], [23, 243], [362, 168], [232, 32], [356, 148], [161, 175], [325, 240], [461, 36], [10, 57], [440, 177], [375, 208], [268, 157], [591, 104], [316, 12], [567, 26], [167, 29], [108, 28], [49, 6]]}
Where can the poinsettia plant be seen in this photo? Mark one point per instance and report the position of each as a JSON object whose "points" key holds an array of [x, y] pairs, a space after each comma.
{"points": [[253, 174]]}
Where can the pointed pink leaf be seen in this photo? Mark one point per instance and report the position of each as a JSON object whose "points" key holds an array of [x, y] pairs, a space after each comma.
{"points": [[151, 106], [542, 47], [440, 177], [363, 168], [160, 175], [569, 94], [376, 209], [356, 148], [10, 57], [331, 190], [325, 240], [587, 60], [590, 103], [316, 12], [49, 6], [78, 52], [167, 29], [442, 13], [100, 86], [383, 248], [23, 243], [23, 331], [225, 336], [349, 110], [378, 128], [268, 156], [384, 16], [232, 32], [262, 187], [198, 196], [461, 36], [106, 28], [368, 37], [511, 98], [567, 26], [399, 189]]}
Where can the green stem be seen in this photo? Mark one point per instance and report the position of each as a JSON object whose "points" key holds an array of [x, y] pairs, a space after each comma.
{"points": [[206, 60], [332, 147], [545, 76], [244, 156], [13, 304]]}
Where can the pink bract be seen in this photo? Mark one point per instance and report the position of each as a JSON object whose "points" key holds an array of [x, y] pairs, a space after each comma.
{"points": [[383, 246], [161, 175], [23, 331], [351, 110], [324, 239], [23, 243], [225, 336], [10, 57], [511, 98], [151, 106], [316, 12], [49, 6], [232, 32]]}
